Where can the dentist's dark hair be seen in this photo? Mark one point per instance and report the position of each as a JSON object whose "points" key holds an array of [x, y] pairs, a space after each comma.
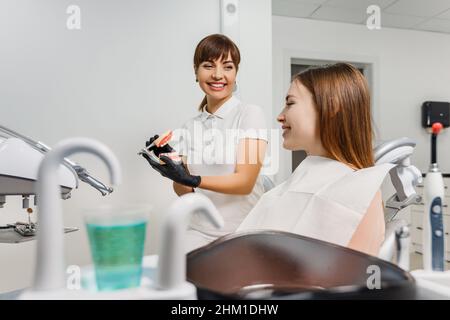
{"points": [[342, 99], [214, 47]]}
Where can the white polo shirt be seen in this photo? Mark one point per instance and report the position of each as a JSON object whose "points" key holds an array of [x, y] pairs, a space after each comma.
{"points": [[209, 141]]}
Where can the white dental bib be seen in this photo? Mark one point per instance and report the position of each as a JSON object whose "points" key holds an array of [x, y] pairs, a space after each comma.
{"points": [[322, 199]]}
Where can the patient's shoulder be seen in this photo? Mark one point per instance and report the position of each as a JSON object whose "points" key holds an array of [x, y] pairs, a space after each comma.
{"points": [[369, 235]]}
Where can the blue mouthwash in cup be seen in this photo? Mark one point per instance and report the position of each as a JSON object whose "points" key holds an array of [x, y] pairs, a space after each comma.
{"points": [[117, 251]]}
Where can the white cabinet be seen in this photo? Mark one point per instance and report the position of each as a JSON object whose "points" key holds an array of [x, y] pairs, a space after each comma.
{"points": [[417, 212]]}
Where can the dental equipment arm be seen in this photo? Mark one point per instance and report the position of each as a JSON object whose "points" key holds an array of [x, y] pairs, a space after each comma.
{"points": [[78, 170], [404, 176]]}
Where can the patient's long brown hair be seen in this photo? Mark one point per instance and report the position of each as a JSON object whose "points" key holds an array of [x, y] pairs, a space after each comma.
{"points": [[342, 100]]}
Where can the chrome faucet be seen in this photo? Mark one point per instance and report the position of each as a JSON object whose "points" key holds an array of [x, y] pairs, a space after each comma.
{"points": [[171, 272]]}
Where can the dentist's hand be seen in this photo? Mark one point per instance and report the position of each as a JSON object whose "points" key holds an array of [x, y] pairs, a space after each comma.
{"points": [[158, 150], [174, 171]]}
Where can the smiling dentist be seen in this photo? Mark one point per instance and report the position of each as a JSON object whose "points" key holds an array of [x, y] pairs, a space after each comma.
{"points": [[222, 148]]}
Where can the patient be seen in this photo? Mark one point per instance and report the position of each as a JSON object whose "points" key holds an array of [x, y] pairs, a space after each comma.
{"points": [[333, 195]]}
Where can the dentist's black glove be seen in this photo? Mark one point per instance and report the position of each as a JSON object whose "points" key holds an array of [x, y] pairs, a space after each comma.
{"points": [[157, 151], [174, 171]]}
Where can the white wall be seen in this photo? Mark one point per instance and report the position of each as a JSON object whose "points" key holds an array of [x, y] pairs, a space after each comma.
{"points": [[126, 75], [412, 67]]}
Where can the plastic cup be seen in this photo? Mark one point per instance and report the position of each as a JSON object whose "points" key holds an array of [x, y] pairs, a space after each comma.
{"points": [[117, 237]]}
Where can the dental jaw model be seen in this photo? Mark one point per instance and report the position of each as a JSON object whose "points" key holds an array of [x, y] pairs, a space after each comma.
{"points": [[160, 142]]}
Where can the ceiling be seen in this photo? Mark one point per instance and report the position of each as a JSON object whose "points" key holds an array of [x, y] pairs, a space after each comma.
{"points": [[426, 15]]}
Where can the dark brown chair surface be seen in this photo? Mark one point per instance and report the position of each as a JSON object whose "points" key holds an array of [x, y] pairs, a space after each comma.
{"points": [[272, 264]]}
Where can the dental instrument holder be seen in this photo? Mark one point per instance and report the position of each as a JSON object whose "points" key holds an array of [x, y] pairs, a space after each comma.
{"points": [[404, 176], [433, 227], [78, 170], [24, 186]]}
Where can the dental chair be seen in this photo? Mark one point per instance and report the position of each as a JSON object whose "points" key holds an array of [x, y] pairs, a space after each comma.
{"points": [[404, 178], [272, 264]]}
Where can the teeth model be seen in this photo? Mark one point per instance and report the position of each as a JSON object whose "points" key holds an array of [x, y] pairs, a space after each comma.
{"points": [[162, 140], [174, 156]]}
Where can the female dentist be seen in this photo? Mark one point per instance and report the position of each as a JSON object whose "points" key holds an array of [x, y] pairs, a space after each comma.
{"points": [[222, 148]]}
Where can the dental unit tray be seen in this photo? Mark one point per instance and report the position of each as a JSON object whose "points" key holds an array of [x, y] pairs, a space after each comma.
{"points": [[22, 232]]}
